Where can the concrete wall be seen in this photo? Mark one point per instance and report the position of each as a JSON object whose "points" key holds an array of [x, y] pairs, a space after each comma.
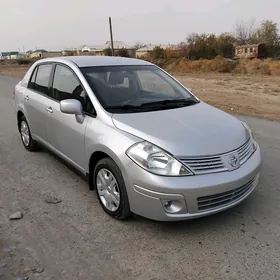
{"points": [[45, 54], [97, 53], [142, 53], [51, 54]]}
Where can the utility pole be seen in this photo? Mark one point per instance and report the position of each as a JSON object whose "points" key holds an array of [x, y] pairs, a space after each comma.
{"points": [[111, 35]]}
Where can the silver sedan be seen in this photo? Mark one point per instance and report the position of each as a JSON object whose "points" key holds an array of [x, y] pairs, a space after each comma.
{"points": [[146, 143]]}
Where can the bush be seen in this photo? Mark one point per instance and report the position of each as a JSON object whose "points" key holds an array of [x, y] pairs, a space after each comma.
{"points": [[157, 53], [273, 65], [124, 53], [107, 52], [220, 65], [24, 61], [257, 66]]}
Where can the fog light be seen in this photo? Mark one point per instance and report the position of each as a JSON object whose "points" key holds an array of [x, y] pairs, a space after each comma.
{"points": [[167, 204], [173, 206]]}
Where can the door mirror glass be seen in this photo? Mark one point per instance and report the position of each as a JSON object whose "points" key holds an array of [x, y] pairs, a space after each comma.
{"points": [[73, 107]]}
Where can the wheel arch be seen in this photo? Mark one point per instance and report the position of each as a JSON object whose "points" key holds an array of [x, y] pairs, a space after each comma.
{"points": [[100, 152], [93, 160], [20, 114]]}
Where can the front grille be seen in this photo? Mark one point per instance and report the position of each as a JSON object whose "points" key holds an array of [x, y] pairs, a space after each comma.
{"points": [[202, 165], [216, 163], [221, 199]]}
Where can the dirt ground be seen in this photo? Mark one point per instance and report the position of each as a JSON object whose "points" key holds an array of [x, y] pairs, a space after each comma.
{"points": [[13, 70], [257, 96], [74, 239]]}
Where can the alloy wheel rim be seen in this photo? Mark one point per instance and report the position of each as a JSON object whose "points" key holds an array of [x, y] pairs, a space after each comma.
{"points": [[25, 133], [108, 189]]}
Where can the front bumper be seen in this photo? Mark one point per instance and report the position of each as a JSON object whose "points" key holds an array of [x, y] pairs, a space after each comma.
{"points": [[148, 192]]}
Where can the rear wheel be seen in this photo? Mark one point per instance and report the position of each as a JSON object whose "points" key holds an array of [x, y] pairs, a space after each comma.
{"points": [[26, 137], [111, 189]]}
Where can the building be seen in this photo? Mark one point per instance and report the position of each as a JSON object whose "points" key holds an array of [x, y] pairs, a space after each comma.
{"points": [[93, 50], [37, 53], [118, 46], [4, 55], [147, 49], [41, 53], [250, 51], [71, 51], [12, 55]]}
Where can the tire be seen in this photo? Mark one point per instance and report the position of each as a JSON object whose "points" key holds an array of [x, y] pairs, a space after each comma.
{"points": [[104, 169], [26, 137]]}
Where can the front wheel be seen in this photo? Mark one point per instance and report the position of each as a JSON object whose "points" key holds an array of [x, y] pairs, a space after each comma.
{"points": [[111, 189]]}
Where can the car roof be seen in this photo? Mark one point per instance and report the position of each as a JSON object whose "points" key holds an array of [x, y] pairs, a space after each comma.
{"points": [[88, 61]]}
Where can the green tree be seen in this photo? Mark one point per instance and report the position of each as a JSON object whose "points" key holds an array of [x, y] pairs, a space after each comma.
{"points": [[123, 52], [158, 52], [268, 34], [202, 46], [183, 50], [225, 45], [107, 52]]}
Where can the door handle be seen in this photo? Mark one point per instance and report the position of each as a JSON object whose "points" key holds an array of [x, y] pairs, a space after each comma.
{"points": [[26, 97], [49, 109]]}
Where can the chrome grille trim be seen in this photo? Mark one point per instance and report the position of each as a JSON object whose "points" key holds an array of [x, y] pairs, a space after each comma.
{"points": [[211, 202], [245, 151], [202, 165], [216, 163]]}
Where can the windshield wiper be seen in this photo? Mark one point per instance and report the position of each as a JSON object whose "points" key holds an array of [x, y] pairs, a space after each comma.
{"points": [[154, 105], [124, 107], [184, 102]]}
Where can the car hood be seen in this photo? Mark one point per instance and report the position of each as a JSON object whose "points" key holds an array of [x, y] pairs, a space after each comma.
{"points": [[197, 130]]}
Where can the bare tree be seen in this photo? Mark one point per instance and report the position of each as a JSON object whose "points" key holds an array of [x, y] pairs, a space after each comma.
{"points": [[138, 45], [191, 38], [244, 31]]}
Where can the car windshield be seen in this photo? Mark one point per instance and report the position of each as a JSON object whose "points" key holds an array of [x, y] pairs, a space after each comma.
{"points": [[126, 89]]}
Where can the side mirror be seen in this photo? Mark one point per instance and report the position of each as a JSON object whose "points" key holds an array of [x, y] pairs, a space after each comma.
{"points": [[73, 107]]}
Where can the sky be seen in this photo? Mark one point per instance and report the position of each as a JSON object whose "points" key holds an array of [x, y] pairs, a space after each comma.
{"points": [[57, 24]]}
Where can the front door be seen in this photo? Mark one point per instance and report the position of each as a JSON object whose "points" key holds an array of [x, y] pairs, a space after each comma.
{"points": [[64, 133]]}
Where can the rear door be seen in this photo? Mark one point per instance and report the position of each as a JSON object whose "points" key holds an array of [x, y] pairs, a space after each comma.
{"points": [[64, 133], [36, 96]]}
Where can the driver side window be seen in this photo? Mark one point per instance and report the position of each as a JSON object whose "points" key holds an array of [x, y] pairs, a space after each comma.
{"points": [[67, 86]]}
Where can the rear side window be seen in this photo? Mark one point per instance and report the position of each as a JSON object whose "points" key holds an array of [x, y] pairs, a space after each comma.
{"points": [[33, 79], [42, 78]]}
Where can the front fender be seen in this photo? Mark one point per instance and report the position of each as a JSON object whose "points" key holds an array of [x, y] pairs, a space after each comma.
{"points": [[105, 138]]}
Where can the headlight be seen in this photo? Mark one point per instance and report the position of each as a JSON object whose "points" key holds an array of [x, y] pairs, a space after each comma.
{"points": [[155, 160]]}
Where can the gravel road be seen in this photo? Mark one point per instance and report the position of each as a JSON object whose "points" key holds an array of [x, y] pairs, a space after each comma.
{"points": [[75, 239]]}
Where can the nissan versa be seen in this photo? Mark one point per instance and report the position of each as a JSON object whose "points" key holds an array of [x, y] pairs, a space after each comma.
{"points": [[146, 144]]}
